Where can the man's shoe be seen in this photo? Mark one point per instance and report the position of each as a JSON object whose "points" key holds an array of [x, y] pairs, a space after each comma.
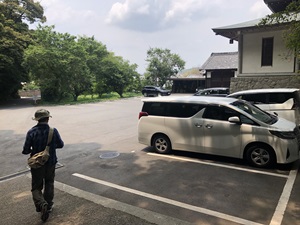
{"points": [[50, 208], [44, 212]]}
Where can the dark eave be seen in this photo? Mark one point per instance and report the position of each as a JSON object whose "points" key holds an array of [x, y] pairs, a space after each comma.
{"points": [[277, 5], [233, 31]]}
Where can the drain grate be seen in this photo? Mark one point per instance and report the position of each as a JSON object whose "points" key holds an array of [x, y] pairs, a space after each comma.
{"points": [[109, 155]]}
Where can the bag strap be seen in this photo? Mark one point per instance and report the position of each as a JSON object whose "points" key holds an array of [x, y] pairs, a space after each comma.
{"points": [[50, 135]]}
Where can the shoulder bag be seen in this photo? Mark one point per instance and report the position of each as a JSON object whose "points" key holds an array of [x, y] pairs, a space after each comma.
{"points": [[40, 158]]}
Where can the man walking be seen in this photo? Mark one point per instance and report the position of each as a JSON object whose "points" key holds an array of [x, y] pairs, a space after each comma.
{"points": [[42, 177]]}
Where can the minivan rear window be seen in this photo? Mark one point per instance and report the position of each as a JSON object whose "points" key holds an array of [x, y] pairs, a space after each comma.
{"points": [[254, 98], [154, 108], [266, 98], [275, 98]]}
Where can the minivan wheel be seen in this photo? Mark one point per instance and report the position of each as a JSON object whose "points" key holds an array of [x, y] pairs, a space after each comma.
{"points": [[162, 144], [145, 94], [260, 156]]}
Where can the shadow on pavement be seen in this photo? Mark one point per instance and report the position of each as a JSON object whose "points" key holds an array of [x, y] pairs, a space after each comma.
{"points": [[18, 103]]}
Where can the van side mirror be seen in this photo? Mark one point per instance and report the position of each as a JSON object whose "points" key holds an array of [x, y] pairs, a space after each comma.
{"points": [[234, 119], [275, 113]]}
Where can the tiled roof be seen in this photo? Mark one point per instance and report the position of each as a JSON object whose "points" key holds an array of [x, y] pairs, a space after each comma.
{"points": [[223, 60], [251, 23], [232, 31], [189, 73]]}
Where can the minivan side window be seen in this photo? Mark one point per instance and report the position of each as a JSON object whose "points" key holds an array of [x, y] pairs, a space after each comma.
{"points": [[180, 110], [219, 113], [183, 110], [255, 98], [224, 91], [276, 98], [224, 113], [213, 92]]}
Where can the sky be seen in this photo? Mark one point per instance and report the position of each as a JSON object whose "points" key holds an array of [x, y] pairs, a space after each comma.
{"points": [[131, 27]]}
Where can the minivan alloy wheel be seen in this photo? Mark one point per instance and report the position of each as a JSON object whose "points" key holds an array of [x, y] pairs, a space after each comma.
{"points": [[260, 156], [161, 144]]}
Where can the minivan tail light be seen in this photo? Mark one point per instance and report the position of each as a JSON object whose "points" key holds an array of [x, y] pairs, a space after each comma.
{"points": [[142, 114]]}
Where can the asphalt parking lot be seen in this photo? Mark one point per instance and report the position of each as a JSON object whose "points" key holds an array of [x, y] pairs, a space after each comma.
{"points": [[184, 188]]}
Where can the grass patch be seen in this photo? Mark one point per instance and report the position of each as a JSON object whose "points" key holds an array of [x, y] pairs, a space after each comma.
{"points": [[83, 99]]}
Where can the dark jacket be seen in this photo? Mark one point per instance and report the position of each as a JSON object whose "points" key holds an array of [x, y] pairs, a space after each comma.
{"points": [[36, 141]]}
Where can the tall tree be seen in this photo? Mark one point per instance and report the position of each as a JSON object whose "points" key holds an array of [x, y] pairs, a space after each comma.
{"points": [[290, 19], [162, 65], [116, 74], [58, 63], [14, 38], [96, 52]]}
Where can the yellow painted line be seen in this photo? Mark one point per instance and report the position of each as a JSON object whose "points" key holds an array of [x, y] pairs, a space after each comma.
{"points": [[218, 165], [170, 201]]}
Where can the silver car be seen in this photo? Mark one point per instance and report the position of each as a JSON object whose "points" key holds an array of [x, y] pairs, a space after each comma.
{"points": [[284, 102]]}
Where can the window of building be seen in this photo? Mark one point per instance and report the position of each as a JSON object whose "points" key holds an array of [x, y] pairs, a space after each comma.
{"points": [[267, 51]]}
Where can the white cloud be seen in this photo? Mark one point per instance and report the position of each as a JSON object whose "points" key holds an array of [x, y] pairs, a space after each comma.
{"points": [[259, 9], [130, 27], [155, 15], [184, 9], [58, 12], [120, 11], [152, 15]]}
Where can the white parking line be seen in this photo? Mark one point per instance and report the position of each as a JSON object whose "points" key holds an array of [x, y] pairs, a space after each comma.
{"points": [[284, 198], [218, 165], [170, 201], [150, 216], [285, 195]]}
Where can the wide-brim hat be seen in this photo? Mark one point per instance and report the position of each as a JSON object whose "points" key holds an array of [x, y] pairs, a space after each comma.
{"points": [[40, 114]]}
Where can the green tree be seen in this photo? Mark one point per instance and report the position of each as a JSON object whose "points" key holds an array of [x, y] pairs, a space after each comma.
{"points": [[79, 79], [136, 85], [162, 65], [289, 18], [96, 52], [14, 38], [58, 63], [116, 74]]}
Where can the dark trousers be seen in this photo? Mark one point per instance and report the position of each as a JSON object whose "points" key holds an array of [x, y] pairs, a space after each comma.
{"points": [[43, 178]]}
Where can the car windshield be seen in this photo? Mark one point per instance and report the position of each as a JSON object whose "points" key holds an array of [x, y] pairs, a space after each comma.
{"points": [[256, 112]]}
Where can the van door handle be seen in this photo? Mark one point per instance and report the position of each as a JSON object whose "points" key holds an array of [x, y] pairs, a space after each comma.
{"points": [[209, 126], [198, 125]]}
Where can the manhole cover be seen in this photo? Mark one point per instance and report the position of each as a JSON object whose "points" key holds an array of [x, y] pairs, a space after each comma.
{"points": [[109, 155]]}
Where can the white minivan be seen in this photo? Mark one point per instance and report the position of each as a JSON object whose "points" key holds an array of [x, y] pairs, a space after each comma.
{"points": [[284, 102], [219, 126]]}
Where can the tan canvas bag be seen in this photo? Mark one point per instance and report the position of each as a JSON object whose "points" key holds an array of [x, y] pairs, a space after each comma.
{"points": [[40, 158]]}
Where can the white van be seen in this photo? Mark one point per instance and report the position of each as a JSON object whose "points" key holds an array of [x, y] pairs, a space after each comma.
{"points": [[284, 102], [219, 126]]}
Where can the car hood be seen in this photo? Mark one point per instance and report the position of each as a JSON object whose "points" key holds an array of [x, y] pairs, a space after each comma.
{"points": [[165, 90], [284, 125]]}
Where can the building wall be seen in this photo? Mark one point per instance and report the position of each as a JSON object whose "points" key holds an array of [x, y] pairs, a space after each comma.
{"points": [[246, 83], [283, 60], [220, 78]]}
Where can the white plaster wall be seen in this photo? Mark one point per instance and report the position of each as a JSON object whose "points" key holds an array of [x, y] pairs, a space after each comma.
{"points": [[283, 60]]}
